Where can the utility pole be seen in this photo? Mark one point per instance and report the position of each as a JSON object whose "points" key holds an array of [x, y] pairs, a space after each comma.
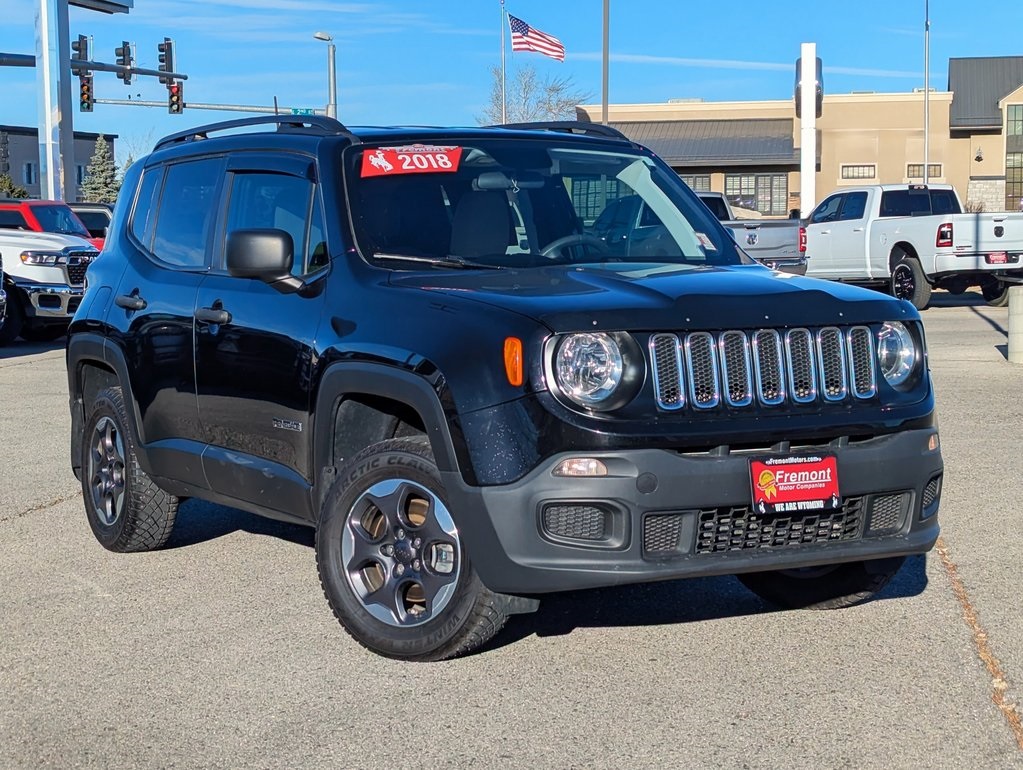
{"points": [[56, 132]]}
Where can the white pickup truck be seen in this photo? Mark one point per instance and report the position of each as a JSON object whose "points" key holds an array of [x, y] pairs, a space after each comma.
{"points": [[912, 239], [778, 243], [44, 279]]}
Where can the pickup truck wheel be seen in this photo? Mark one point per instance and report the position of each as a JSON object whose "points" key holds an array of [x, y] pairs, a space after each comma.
{"points": [[14, 320], [823, 588], [127, 511], [995, 293], [908, 280], [391, 561]]}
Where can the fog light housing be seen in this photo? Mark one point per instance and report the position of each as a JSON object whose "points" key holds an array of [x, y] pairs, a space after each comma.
{"points": [[580, 467]]}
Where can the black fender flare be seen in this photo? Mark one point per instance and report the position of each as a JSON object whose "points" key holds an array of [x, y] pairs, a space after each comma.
{"points": [[392, 382]]}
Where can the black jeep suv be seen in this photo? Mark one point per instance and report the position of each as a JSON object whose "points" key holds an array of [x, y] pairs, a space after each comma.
{"points": [[412, 340]]}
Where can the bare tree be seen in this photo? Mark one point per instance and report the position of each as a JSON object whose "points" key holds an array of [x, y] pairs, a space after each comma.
{"points": [[532, 98]]}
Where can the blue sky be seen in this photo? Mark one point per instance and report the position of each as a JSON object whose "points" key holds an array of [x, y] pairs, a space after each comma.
{"points": [[428, 63]]}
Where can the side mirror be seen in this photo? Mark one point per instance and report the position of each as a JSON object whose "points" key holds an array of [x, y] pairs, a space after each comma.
{"points": [[264, 254]]}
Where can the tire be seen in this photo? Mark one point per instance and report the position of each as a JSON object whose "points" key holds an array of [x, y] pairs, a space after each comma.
{"points": [[44, 332], [14, 320], [392, 564], [908, 280], [127, 511], [823, 588], [995, 293]]}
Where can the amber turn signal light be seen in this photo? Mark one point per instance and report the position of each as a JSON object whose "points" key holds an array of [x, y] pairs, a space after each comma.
{"points": [[513, 360]]}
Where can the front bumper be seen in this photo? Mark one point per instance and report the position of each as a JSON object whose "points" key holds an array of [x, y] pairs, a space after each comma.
{"points": [[51, 301], [657, 506]]}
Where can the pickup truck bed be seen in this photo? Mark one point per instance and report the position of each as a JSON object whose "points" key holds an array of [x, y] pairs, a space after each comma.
{"points": [[778, 243]]}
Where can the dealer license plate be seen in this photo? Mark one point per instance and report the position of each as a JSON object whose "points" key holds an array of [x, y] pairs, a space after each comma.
{"points": [[798, 483], [998, 258]]}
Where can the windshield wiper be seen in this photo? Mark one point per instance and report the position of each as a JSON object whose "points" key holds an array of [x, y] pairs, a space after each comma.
{"points": [[449, 261]]}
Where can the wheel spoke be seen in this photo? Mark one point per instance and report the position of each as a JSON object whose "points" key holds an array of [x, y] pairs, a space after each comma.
{"points": [[435, 587]]}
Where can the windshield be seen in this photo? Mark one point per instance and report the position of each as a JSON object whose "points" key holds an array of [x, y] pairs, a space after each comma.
{"points": [[527, 203], [59, 219]]}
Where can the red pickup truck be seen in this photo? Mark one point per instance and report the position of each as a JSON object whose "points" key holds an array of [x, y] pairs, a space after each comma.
{"points": [[44, 217]]}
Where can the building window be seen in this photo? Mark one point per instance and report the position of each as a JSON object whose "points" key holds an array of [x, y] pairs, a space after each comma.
{"points": [[80, 174], [590, 194], [766, 193], [861, 171], [697, 182], [29, 173], [1014, 120], [1014, 181], [916, 170]]}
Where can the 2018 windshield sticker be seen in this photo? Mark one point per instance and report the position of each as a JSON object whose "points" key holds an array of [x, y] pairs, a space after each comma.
{"points": [[414, 159]]}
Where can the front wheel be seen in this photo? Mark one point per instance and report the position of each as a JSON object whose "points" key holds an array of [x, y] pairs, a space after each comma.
{"points": [[827, 587], [392, 563], [909, 281]]}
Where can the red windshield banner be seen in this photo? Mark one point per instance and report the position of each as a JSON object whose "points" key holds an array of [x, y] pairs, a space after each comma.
{"points": [[415, 159], [798, 483]]}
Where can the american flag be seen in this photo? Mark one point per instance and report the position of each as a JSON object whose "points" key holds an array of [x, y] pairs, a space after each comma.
{"points": [[526, 38]]}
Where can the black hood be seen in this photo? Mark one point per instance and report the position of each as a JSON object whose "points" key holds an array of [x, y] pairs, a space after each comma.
{"points": [[631, 297]]}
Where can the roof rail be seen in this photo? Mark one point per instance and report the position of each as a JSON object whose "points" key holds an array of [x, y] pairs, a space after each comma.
{"points": [[314, 124], [568, 126]]}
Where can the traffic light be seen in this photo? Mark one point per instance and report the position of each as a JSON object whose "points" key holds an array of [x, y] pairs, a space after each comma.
{"points": [[166, 49], [80, 48], [124, 61], [175, 97], [86, 98]]}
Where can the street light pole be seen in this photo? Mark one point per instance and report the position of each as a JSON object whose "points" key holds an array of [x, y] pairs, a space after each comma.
{"points": [[927, 89], [331, 73]]}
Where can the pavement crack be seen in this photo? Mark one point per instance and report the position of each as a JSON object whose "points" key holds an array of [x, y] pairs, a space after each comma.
{"points": [[999, 682], [42, 506]]}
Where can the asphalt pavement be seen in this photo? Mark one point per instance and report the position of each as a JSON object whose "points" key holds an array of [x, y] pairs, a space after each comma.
{"points": [[220, 651]]}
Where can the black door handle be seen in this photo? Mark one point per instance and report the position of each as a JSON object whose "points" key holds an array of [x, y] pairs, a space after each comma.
{"points": [[130, 301], [212, 315]]}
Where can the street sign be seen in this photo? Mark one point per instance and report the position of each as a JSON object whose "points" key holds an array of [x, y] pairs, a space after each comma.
{"points": [[302, 111]]}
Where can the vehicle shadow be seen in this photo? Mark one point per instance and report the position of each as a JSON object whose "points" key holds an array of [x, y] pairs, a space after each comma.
{"points": [[966, 299], [23, 348], [672, 602], [199, 521]]}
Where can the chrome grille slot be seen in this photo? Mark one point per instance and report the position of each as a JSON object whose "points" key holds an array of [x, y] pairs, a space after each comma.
{"points": [[863, 375], [831, 357], [702, 370], [666, 355], [735, 368], [767, 364], [799, 349]]}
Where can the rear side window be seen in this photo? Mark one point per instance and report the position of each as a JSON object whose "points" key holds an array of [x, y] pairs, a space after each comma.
{"points": [[143, 220], [905, 203], [716, 205], [944, 202], [186, 211], [854, 206]]}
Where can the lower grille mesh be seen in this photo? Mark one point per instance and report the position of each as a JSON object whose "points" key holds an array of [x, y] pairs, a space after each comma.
{"points": [[932, 491], [739, 529], [886, 512], [575, 522], [661, 533]]}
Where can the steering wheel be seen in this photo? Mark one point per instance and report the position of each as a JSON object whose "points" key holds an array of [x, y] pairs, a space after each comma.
{"points": [[553, 249]]}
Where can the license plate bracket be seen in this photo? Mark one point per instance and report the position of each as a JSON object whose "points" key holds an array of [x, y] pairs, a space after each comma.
{"points": [[795, 483]]}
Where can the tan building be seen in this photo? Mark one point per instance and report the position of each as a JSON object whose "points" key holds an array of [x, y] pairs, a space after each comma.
{"points": [[19, 156], [750, 150]]}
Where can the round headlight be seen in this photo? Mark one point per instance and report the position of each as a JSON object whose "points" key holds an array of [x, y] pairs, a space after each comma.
{"points": [[588, 367], [896, 353]]}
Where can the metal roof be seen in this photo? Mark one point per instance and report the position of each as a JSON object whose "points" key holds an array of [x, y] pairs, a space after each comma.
{"points": [[732, 142], [977, 85]]}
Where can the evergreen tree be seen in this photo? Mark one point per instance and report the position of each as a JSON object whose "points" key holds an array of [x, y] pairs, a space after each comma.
{"points": [[10, 190], [101, 184]]}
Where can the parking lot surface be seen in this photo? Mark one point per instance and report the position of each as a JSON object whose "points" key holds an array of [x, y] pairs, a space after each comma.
{"points": [[220, 651]]}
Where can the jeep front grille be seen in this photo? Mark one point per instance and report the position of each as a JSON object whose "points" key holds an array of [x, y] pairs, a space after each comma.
{"points": [[737, 368]]}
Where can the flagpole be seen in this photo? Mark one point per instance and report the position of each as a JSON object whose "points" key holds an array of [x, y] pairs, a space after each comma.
{"points": [[603, 98], [504, 97]]}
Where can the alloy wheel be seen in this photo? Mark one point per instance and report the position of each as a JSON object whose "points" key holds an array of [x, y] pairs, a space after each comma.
{"points": [[106, 471]]}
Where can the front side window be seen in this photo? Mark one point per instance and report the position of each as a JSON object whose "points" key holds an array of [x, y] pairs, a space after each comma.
{"points": [[854, 206], [828, 211], [277, 201], [186, 212], [526, 203], [12, 219]]}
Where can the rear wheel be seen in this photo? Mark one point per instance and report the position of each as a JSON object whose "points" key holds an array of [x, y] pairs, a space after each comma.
{"points": [[392, 563], [995, 292], [908, 280], [828, 587]]}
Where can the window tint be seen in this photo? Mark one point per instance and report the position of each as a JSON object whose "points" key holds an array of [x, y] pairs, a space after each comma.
{"points": [[828, 210], [905, 203], [145, 207], [854, 206], [716, 205], [278, 201], [186, 212], [95, 222], [318, 255], [944, 202], [59, 219], [648, 218], [10, 219]]}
